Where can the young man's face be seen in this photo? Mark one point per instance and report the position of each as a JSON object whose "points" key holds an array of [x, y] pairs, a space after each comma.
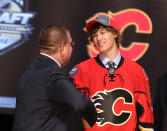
{"points": [[104, 40]]}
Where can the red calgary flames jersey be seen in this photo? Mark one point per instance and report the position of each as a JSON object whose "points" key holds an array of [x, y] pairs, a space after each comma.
{"points": [[123, 102]]}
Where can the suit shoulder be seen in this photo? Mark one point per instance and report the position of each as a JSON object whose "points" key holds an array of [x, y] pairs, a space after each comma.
{"points": [[163, 77]]}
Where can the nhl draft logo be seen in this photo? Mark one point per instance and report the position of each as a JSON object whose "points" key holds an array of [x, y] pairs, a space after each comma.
{"points": [[14, 24]]}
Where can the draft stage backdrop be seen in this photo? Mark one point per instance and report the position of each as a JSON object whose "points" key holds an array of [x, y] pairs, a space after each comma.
{"points": [[141, 22]]}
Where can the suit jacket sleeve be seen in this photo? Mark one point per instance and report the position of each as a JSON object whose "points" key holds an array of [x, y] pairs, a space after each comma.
{"points": [[60, 89], [160, 104]]}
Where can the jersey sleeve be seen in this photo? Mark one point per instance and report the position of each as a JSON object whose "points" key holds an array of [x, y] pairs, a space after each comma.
{"points": [[78, 74], [145, 119]]}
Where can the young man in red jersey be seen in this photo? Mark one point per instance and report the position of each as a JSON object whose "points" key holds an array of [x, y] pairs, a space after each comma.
{"points": [[118, 87]]}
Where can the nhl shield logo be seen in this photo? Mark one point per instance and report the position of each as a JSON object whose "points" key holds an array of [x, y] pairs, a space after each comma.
{"points": [[14, 24]]}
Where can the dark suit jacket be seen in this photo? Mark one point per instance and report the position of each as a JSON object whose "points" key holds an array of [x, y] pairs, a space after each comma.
{"points": [[160, 104], [48, 101]]}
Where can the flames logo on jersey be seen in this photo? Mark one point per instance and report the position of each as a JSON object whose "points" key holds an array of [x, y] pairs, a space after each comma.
{"points": [[14, 24], [113, 107]]}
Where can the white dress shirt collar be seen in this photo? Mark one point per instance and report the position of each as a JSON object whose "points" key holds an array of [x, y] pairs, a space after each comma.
{"points": [[104, 60], [51, 58]]}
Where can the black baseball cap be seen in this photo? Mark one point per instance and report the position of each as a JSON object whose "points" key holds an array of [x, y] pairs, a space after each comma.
{"points": [[102, 19]]}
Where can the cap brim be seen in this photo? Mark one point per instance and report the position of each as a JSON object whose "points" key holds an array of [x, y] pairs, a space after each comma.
{"points": [[89, 25]]}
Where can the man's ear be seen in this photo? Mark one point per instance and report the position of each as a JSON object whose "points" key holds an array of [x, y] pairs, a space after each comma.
{"points": [[62, 45]]}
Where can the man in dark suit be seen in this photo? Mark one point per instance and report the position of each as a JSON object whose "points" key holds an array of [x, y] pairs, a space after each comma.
{"points": [[47, 99], [160, 104]]}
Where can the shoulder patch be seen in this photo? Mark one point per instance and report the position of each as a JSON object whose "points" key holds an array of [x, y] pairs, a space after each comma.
{"points": [[73, 71]]}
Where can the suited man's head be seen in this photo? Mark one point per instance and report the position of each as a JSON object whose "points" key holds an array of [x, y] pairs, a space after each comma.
{"points": [[56, 41]]}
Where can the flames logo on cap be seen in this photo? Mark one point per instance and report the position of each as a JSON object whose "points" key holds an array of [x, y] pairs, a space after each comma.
{"points": [[14, 24], [124, 19]]}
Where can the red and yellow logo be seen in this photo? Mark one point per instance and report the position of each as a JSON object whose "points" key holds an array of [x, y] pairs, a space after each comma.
{"points": [[124, 19]]}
